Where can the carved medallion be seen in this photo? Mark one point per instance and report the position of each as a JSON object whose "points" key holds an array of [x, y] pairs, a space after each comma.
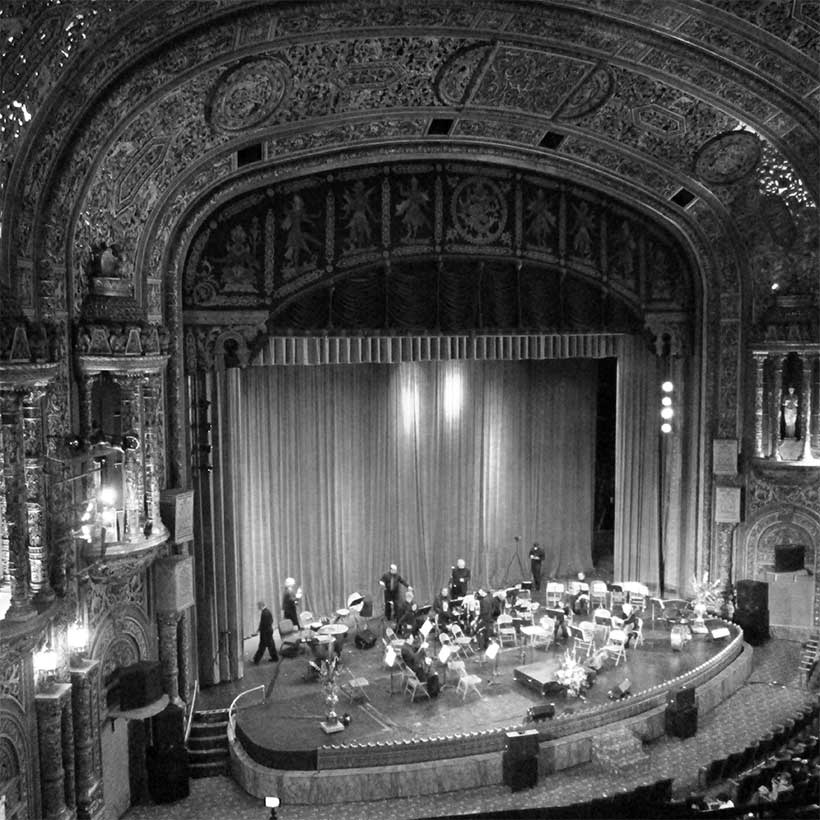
{"points": [[248, 94], [728, 157], [479, 210], [593, 91], [456, 77]]}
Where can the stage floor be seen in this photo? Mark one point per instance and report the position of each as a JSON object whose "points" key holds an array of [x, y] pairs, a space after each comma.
{"points": [[289, 719]]}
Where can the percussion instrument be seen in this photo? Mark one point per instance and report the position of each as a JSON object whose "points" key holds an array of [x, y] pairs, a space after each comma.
{"points": [[679, 635], [320, 646], [337, 633]]}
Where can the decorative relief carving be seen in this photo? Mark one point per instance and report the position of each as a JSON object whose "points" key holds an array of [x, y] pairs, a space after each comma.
{"points": [[456, 77], [478, 209], [590, 94], [248, 94], [728, 157]]}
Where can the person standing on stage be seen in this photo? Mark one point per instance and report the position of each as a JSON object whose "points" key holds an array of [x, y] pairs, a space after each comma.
{"points": [[265, 634], [459, 579], [390, 583], [537, 557], [441, 607], [290, 601], [407, 621]]}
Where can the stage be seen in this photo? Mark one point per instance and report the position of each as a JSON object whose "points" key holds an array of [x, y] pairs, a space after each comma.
{"points": [[393, 744]]}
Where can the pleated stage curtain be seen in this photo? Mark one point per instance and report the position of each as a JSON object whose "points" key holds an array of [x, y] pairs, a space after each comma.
{"points": [[637, 530], [340, 470]]}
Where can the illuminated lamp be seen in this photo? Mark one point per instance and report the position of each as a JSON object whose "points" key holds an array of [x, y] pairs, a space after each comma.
{"points": [[666, 427], [667, 387], [667, 413]]}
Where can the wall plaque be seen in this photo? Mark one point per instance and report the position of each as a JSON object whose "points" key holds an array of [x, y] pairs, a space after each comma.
{"points": [[177, 510], [724, 456], [727, 505]]}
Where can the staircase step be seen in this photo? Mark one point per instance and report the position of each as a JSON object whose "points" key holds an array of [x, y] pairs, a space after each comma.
{"points": [[208, 755], [206, 730], [200, 770], [204, 743], [210, 716]]}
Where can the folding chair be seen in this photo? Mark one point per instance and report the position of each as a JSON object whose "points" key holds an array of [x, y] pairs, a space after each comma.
{"points": [[598, 594], [584, 639], [615, 646], [506, 630], [462, 641], [412, 685], [354, 687], [555, 593], [467, 683]]}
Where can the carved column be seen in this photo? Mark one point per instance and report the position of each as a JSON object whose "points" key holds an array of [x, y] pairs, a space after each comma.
{"points": [[805, 410], [815, 408], [85, 707], [185, 676], [777, 398], [151, 453], [132, 479], [36, 495], [51, 706], [760, 362], [168, 659], [15, 510]]}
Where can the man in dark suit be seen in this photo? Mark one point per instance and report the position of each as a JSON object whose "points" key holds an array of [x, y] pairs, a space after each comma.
{"points": [[537, 557], [265, 634], [390, 583]]}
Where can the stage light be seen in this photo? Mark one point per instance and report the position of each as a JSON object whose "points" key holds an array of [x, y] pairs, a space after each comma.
{"points": [[667, 413], [666, 427], [108, 496], [453, 394], [667, 387]]}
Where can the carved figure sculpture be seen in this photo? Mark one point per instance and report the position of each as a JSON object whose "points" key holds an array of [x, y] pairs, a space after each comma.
{"points": [[790, 403]]}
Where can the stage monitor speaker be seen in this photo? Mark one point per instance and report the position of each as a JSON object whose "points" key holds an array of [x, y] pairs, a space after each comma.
{"points": [[719, 632], [168, 774], [542, 712], [789, 557], [754, 623], [752, 595], [168, 728], [140, 685], [521, 745], [683, 698], [519, 774], [619, 691], [681, 723]]}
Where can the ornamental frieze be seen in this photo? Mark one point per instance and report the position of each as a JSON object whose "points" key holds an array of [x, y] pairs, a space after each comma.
{"points": [[266, 246]]}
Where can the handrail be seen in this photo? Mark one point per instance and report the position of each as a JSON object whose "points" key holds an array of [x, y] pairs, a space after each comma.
{"points": [[191, 710], [232, 709]]}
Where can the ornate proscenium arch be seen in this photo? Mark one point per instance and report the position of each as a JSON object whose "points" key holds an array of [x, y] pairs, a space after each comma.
{"points": [[396, 246]]}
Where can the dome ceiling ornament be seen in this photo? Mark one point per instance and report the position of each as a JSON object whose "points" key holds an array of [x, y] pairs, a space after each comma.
{"points": [[728, 157], [248, 94]]}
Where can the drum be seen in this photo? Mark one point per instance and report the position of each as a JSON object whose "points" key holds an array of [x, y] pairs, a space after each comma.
{"points": [[337, 633], [679, 635], [320, 647]]}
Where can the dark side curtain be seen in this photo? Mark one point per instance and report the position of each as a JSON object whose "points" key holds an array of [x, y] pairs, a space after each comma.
{"points": [[340, 470]]}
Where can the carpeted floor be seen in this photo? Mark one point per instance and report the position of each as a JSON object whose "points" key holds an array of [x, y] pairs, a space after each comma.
{"points": [[771, 694]]}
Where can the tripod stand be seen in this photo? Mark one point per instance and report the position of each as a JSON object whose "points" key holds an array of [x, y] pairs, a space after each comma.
{"points": [[516, 556]]}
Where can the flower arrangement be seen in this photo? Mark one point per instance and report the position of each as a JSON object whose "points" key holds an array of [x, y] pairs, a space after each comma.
{"points": [[327, 671], [572, 675], [707, 593]]}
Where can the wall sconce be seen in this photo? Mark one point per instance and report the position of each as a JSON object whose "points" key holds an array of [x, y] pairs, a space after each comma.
{"points": [[46, 663], [667, 412], [77, 637]]}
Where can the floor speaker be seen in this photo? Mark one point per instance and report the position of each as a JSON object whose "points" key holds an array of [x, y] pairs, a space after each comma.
{"points": [[752, 595], [681, 722], [523, 745], [168, 774], [754, 623], [542, 712], [168, 728], [683, 698], [140, 685], [519, 774]]}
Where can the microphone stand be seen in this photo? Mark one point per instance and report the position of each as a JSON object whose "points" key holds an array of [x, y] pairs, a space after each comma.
{"points": [[514, 557]]}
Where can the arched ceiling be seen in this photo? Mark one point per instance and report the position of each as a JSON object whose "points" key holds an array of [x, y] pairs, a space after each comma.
{"points": [[148, 115]]}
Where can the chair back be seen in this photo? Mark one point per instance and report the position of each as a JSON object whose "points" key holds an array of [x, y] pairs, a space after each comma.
{"points": [[504, 620], [286, 626], [458, 667], [305, 620]]}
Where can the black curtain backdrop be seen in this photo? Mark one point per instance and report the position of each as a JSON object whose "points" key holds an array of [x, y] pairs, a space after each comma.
{"points": [[339, 470]]}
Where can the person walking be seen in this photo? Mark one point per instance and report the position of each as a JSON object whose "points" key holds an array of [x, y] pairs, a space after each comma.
{"points": [[537, 557], [265, 634]]}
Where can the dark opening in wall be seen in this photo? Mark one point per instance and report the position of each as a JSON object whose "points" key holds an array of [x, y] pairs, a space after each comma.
{"points": [[249, 154], [683, 198], [439, 127], [552, 140]]}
